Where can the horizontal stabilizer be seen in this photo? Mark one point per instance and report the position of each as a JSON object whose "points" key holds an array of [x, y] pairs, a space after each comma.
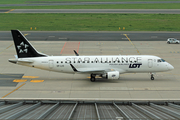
{"points": [[21, 60]]}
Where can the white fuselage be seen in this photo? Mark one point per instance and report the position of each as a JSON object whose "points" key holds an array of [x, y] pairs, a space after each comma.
{"points": [[109, 67], [121, 63]]}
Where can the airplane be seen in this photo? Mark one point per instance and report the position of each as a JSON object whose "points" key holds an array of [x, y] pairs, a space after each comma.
{"points": [[107, 67]]}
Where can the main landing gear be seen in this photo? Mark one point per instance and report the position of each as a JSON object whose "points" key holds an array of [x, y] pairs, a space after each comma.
{"points": [[152, 76], [93, 78]]}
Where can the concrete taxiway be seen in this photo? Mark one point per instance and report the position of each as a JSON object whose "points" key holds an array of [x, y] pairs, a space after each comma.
{"points": [[132, 11], [92, 35], [24, 82], [55, 3]]}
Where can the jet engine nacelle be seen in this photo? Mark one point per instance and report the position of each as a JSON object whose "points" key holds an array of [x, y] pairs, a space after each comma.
{"points": [[111, 75]]}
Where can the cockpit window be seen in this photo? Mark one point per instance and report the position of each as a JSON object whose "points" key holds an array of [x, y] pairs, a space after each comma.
{"points": [[160, 60], [163, 60]]}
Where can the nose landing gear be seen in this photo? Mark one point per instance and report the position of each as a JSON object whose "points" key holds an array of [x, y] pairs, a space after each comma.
{"points": [[152, 76]]}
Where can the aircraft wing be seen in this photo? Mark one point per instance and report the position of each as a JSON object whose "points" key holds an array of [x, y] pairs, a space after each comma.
{"points": [[87, 70], [93, 70]]}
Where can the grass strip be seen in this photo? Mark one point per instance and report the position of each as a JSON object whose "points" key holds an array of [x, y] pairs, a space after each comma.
{"points": [[114, 6], [90, 22]]}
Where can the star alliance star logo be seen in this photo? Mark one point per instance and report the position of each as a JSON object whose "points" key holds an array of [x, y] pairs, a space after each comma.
{"points": [[23, 47]]}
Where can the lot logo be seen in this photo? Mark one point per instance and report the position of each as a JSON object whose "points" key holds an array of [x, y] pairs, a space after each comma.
{"points": [[135, 65]]}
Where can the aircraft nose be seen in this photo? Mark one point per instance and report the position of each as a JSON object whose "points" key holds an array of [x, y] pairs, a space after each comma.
{"points": [[170, 67]]}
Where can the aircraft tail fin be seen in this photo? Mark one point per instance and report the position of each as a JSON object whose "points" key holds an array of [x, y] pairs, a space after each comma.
{"points": [[23, 46]]}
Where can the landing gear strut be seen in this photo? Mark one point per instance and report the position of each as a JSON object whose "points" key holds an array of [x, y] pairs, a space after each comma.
{"points": [[93, 79], [152, 76]]}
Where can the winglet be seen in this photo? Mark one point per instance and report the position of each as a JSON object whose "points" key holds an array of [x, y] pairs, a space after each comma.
{"points": [[75, 70], [76, 53]]}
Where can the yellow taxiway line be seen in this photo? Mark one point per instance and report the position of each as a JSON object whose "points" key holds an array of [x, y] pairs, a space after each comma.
{"points": [[6, 48], [14, 90], [37, 81], [11, 44], [132, 43], [9, 11], [19, 80], [30, 77]]}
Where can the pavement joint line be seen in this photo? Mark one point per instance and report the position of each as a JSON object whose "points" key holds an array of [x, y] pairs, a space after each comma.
{"points": [[10, 10], [63, 47], [132, 43], [95, 77], [172, 74], [78, 47], [14, 90]]}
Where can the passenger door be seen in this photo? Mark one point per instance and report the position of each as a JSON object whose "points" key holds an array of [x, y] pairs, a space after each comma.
{"points": [[51, 64], [150, 63]]}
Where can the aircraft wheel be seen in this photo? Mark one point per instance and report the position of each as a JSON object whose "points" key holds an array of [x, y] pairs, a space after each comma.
{"points": [[168, 42], [93, 79], [152, 78]]}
